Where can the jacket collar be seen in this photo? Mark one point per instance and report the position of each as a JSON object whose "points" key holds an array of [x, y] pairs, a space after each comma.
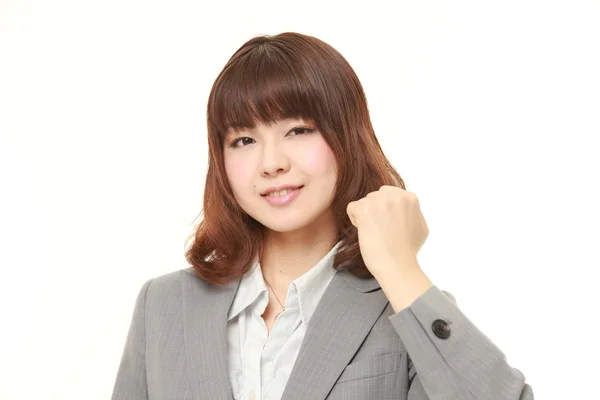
{"points": [[350, 304]]}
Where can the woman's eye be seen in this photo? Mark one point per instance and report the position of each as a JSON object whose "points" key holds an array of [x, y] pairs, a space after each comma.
{"points": [[241, 142], [301, 131]]}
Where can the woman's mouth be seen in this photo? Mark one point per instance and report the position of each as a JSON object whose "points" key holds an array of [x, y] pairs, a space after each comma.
{"points": [[282, 196]]}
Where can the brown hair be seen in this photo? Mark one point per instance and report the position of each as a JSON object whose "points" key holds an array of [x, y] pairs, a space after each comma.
{"points": [[288, 75]]}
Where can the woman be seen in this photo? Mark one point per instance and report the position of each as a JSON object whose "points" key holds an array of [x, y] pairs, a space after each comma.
{"points": [[304, 281]]}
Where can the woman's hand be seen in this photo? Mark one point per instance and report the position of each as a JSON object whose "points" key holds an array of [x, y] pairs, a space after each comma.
{"points": [[391, 231]]}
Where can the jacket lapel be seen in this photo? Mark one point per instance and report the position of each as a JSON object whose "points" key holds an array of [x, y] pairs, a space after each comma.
{"points": [[205, 308], [344, 316]]}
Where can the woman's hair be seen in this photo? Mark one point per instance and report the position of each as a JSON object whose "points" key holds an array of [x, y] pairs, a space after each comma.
{"points": [[269, 78]]}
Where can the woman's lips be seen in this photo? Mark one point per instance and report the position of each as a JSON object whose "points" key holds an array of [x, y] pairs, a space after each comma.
{"points": [[283, 199]]}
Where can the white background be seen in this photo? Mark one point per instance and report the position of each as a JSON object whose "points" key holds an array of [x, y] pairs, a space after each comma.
{"points": [[489, 111]]}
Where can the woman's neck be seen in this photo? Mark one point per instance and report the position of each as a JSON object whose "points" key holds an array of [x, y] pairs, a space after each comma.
{"points": [[286, 256]]}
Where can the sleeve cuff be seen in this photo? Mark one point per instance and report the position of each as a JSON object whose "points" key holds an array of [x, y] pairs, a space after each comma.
{"points": [[456, 359]]}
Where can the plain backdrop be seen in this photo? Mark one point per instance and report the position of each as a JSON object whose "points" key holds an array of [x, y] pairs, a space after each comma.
{"points": [[489, 111]]}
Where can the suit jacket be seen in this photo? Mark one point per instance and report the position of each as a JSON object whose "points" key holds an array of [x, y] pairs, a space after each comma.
{"points": [[356, 347]]}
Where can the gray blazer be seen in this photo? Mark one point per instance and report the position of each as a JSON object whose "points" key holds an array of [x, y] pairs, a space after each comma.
{"points": [[355, 347]]}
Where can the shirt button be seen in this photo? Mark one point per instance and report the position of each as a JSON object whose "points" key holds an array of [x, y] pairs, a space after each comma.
{"points": [[251, 396], [441, 329]]}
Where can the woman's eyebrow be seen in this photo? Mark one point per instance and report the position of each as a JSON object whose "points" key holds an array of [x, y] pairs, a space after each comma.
{"points": [[232, 132]]}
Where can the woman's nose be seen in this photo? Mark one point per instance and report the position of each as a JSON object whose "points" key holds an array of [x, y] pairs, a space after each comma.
{"points": [[274, 161]]}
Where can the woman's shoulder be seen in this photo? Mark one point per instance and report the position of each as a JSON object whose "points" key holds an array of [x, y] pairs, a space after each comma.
{"points": [[176, 276], [167, 281], [184, 280], [166, 291], [171, 290]]}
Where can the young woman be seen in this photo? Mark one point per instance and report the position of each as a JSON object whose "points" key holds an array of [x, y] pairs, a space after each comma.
{"points": [[304, 281]]}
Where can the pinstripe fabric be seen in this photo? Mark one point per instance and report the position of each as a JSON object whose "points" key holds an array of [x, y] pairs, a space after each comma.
{"points": [[355, 347]]}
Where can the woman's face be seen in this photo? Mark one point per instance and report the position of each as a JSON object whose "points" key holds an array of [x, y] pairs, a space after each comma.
{"points": [[291, 153]]}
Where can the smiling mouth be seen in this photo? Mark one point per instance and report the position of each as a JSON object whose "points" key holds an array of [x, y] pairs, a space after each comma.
{"points": [[281, 192]]}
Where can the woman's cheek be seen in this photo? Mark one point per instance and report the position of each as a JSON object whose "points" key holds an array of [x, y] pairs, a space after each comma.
{"points": [[239, 174], [319, 159]]}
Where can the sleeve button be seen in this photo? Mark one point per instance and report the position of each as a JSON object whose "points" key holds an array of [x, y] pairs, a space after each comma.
{"points": [[441, 329]]}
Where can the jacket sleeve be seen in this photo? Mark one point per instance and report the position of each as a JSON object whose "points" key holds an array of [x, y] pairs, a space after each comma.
{"points": [[131, 381], [450, 358]]}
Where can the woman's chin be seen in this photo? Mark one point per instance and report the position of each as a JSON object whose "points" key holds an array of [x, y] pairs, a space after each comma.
{"points": [[285, 226]]}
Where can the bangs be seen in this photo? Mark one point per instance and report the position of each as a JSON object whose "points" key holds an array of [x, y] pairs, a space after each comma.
{"points": [[265, 85]]}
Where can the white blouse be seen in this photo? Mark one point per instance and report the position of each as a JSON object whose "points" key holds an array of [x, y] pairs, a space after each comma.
{"points": [[260, 363]]}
